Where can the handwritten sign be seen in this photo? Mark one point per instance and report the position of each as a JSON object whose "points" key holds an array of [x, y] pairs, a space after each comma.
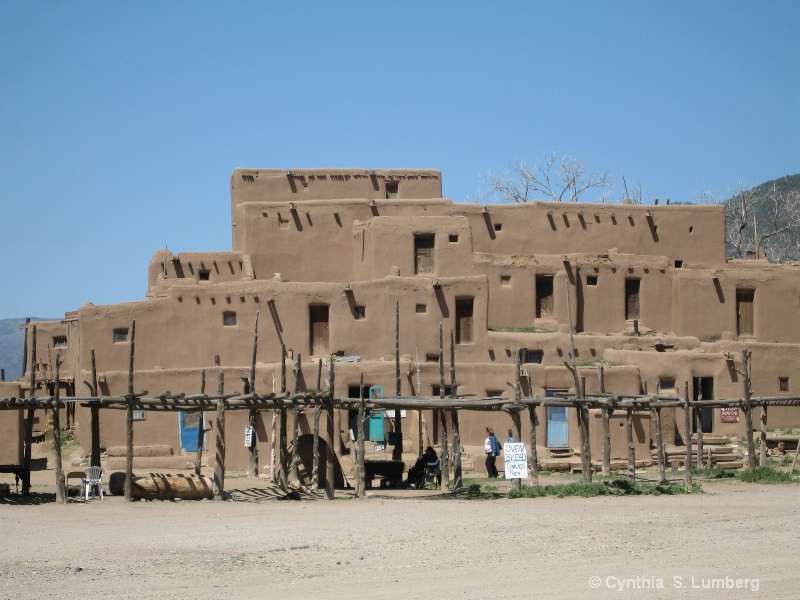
{"points": [[248, 436], [516, 461], [729, 414]]}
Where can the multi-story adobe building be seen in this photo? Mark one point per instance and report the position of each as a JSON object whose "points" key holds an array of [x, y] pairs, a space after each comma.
{"points": [[324, 256]]}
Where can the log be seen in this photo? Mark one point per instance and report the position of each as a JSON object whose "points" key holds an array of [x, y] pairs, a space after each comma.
{"points": [[317, 412], [129, 420], [445, 455], [533, 454], [360, 473], [26, 461], [748, 412], [662, 474], [164, 486], [294, 476], [458, 480], [329, 450], [219, 460], [763, 450], [252, 459], [397, 451], [631, 447], [687, 434], [95, 412]]}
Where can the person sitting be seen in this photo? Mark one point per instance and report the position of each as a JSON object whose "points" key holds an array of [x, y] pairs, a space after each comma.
{"points": [[429, 460]]}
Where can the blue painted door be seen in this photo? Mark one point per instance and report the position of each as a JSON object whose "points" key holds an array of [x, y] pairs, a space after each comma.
{"points": [[557, 427], [189, 425], [376, 430]]}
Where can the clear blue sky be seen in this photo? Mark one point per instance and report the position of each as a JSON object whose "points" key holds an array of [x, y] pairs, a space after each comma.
{"points": [[120, 122]]}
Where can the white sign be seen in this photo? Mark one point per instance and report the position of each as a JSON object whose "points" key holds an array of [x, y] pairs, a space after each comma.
{"points": [[248, 436], [390, 414], [516, 461]]}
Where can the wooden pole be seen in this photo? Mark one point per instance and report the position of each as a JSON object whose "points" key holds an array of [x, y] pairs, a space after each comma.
{"points": [[458, 480], [283, 460], [794, 461], [445, 456], [533, 453], [606, 424], [201, 429], [698, 426], [631, 447], [252, 463], [294, 476], [687, 435], [516, 483], [219, 460], [317, 413], [329, 454], [397, 451], [59, 470], [748, 412], [129, 421], [95, 415], [26, 461], [662, 473], [360, 474], [763, 449]]}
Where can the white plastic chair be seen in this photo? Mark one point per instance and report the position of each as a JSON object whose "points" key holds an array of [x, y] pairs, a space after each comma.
{"points": [[93, 481]]}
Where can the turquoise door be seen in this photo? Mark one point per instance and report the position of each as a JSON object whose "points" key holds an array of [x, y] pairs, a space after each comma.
{"points": [[189, 425], [376, 427], [557, 427]]}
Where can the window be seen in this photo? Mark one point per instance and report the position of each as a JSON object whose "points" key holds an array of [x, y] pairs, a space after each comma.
{"points": [[423, 253], [783, 383], [422, 308], [744, 312], [505, 279], [632, 299], [360, 313], [678, 263], [464, 307], [229, 318], [319, 329], [667, 385], [203, 275], [448, 391], [591, 280], [453, 237], [544, 296], [533, 356], [392, 189], [498, 226], [120, 336], [432, 358], [60, 341]]}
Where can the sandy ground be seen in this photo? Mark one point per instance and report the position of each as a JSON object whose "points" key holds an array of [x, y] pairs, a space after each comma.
{"points": [[404, 544]]}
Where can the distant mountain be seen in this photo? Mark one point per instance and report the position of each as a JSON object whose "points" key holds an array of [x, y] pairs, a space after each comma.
{"points": [[12, 345], [782, 185]]}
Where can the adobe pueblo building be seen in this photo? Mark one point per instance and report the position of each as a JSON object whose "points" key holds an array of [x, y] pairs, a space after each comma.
{"points": [[327, 256]]}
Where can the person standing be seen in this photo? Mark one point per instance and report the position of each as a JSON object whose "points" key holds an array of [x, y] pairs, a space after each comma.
{"points": [[491, 448]]}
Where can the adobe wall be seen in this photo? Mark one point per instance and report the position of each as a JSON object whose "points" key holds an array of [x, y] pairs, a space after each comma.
{"points": [[12, 427]]}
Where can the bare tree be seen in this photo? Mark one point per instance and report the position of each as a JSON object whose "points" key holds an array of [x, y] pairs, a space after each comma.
{"points": [[561, 181], [761, 222]]}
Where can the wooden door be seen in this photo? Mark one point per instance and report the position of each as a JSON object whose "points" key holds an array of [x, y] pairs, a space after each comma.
{"points": [[631, 299], [318, 317], [423, 253], [464, 321], [744, 310]]}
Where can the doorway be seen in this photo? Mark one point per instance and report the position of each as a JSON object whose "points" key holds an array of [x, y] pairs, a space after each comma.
{"points": [[319, 326], [557, 431], [190, 423], [703, 390]]}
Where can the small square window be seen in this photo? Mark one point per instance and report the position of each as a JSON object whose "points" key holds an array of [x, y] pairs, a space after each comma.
{"points": [[360, 313], [591, 280], [120, 336], [432, 358], [678, 263], [667, 383], [453, 237], [203, 275], [498, 226], [783, 383], [60, 341], [505, 279], [422, 308], [229, 318], [392, 189]]}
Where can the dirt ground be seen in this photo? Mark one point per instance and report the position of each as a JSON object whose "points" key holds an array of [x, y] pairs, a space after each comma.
{"points": [[404, 544]]}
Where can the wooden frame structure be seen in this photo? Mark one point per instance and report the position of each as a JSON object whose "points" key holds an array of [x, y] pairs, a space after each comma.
{"points": [[319, 400]]}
